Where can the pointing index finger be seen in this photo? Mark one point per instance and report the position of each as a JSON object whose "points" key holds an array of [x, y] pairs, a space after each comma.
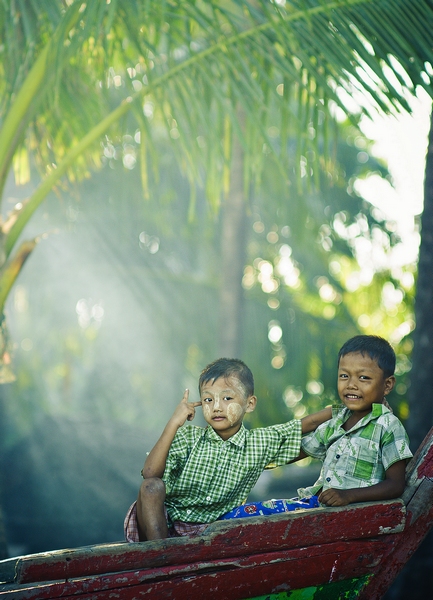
{"points": [[185, 395]]}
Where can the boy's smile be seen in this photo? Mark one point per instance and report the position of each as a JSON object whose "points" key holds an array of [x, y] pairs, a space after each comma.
{"points": [[224, 405], [361, 382]]}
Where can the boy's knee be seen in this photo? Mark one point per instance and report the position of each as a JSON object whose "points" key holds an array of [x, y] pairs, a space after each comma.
{"points": [[153, 487]]}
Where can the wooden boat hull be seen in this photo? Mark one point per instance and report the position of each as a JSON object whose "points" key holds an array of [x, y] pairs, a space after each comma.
{"points": [[349, 552]]}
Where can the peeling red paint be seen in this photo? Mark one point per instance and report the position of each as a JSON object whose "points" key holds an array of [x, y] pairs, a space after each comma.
{"points": [[426, 467]]}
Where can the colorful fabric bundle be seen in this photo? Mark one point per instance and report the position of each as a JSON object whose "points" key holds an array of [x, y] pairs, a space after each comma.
{"points": [[271, 507]]}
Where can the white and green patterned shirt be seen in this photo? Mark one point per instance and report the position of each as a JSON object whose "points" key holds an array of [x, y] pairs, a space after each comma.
{"points": [[206, 476], [358, 457]]}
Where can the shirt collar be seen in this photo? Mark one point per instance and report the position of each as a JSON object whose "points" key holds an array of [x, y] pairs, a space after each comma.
{"points": [[379, 409], [376, 411], [238, 439]]}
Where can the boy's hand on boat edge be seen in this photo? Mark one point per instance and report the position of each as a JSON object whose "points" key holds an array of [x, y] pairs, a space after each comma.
{"points": [[332, 497]]}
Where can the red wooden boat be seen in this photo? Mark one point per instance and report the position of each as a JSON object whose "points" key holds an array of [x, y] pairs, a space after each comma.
{"points": [[349, 552]]}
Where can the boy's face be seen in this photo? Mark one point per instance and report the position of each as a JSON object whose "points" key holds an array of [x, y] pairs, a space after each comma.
{"points": [[224, 405], [361, 383]]}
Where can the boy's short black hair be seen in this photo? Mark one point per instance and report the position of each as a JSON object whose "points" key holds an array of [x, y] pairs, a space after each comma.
{"points": [[227, 367], [376, 347]]}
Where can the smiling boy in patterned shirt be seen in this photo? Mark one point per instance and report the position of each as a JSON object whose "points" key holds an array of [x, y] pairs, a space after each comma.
{"points": [[194, 475], [364, 447]]}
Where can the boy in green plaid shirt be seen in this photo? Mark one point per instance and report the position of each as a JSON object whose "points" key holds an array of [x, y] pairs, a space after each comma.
{"points": [[364, 447], [194, 475]]}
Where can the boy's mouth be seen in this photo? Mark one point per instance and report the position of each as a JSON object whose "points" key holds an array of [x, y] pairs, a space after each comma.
{"points": [[352, 397]]}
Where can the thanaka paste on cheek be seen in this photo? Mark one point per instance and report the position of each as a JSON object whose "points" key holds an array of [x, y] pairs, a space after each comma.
{"points": [[206, 410], [234, 413]]}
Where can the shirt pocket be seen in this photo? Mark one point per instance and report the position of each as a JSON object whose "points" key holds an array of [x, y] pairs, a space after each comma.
{"points": [[365, 462]]}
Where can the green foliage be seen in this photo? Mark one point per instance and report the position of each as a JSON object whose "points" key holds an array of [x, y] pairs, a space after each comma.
{"points": [[301, 304], [191, 76], [191, 65]]}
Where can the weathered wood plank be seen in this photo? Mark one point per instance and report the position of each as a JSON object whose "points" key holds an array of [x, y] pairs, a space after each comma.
{"points": [[420, 466], [232, 579], [224, 539], [420, 521]]}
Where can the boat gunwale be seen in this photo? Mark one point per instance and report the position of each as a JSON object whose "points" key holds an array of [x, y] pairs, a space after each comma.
{"points": [[245, 536]]}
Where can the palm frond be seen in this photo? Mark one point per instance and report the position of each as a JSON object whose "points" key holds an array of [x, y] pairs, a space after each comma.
{"points": [[196, 62]]}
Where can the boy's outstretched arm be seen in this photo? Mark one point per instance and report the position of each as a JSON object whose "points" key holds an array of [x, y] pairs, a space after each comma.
{"points": [[311, 422], [154, 465], [391, 487]]}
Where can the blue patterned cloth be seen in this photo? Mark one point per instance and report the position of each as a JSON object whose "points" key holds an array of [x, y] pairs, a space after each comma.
{"points": [[271, 507]]}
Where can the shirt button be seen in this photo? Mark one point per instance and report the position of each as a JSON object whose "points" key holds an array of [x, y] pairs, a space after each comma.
{"points": [[208, 498], [188, 512], [328, 479]]}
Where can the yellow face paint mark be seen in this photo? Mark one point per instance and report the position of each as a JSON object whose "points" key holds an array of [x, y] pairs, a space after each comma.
{"points": [[234, 413]]}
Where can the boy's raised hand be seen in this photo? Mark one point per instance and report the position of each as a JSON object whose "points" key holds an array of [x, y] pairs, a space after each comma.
{"points": [[185, 411], [154, 465]]}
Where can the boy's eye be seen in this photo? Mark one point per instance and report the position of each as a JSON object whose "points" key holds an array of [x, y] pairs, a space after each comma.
{"points": [[343, 376], [206, 399], [228, 398]]}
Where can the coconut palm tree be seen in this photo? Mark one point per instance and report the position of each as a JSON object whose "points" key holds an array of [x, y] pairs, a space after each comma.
{"points": [[71, 72], [207, 75]]}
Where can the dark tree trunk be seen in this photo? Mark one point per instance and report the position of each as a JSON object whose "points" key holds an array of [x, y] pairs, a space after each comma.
{"points": [[420, 393], [232, 261], [416, 580]]}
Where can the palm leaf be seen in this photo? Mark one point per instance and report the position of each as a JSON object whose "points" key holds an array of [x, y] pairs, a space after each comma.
{"points": [[229, 53]]}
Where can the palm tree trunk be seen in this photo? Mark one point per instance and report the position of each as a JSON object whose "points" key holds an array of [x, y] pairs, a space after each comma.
{"points": [[233, 254]]}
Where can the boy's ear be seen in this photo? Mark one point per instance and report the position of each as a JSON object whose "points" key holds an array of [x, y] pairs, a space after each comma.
{"points": [[389, 384], [251, 403]]}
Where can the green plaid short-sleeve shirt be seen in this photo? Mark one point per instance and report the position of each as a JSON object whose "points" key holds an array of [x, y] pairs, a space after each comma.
{"points": [[206, 476], [358, 457]]}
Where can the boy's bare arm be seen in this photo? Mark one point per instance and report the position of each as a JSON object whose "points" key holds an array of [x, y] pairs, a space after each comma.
{"points": [[154, 465], [311, 422], [389, 488]]}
